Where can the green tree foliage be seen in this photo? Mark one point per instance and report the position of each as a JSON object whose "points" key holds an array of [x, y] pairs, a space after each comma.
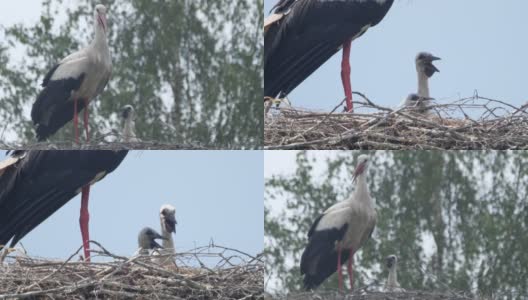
{"points": [[456, 220], [191, 68]]}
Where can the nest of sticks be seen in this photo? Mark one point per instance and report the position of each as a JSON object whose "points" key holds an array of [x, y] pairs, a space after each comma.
{"points": [[211, 272], [466, 124], [104, 145]]}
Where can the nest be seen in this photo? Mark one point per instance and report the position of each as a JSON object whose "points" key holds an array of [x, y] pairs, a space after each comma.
{"points": [[363, 295], [103, 145], [466, 124], [233, 275]]}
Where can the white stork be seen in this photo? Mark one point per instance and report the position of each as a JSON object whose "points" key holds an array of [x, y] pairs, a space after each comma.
{"points": [[339, 232], [425, 70], [72, 83], [302, 35], [34, 184], [418, 103], [392, 284], [147, 240], [168, 227]]}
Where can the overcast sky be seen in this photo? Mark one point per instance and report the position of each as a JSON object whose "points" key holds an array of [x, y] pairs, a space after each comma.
{"points": [[482, 44], [217, 195]]}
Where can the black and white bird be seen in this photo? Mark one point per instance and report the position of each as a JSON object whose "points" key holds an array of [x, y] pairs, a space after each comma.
{"points": [[300, 36], [340, 232], [392, 284], [35, 184], [425, 70], [147, 240], [70, 85], [168, 228]]}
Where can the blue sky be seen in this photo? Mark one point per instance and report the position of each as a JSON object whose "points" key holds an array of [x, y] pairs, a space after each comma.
{"points": [[217, 194], [482, 44]]}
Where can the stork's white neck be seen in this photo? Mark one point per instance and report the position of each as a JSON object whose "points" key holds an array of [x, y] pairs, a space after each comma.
{"points": [[392, 281], [362, 190], [168, 243], [99, 42], [423, 84], [129, 131]]}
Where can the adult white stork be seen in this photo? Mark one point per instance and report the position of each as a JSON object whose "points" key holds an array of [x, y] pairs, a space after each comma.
{"points": [[339, 232], [392, 284], [72, 83], [147, 240], [301, 35], [168, 227], [35, 184]]}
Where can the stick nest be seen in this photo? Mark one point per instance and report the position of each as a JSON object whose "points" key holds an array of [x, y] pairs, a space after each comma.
{"points": [[212, 272], [466, 124]]}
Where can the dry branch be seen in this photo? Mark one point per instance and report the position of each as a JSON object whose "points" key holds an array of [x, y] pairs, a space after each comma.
{"points": [[470, 123], [103, 145], [230, 274]]}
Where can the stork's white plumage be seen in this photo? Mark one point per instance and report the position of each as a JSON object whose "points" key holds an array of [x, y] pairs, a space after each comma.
{"points": [[392, 284], [129, 125], [339, 232], [168, 227], [71, 84]]}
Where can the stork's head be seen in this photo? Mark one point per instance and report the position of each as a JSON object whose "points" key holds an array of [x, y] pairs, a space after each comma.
{"points": [[168, 218], [100, 16], [361, 165], [391, 261], [128, 112], [147, 238], [424, 63]]}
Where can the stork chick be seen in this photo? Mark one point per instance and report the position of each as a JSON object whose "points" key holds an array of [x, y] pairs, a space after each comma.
{"points": [[425, 70], [147, 240], [129, 125], [420, 104], [392, 284], [168, 227]]}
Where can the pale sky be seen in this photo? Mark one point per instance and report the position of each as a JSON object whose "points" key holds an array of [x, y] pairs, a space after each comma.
{"points": [[217, 195], [482, 44]]}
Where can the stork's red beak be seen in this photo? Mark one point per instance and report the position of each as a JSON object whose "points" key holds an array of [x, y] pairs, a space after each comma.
{"points": [[359, 170], [102, 21]]}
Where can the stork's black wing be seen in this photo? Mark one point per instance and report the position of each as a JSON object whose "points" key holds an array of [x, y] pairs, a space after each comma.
{"points": [[309, 34], [42, 182]]}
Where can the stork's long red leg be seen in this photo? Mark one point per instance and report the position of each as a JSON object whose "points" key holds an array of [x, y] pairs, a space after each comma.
{"points": [[350, 270], [75, 120], [84, 219], [345, 74], [86, 119], [339, 273]]}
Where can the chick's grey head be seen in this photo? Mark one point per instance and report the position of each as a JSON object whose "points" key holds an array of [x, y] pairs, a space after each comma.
{"points": [[391, 261], [415, 97], [424, 63], [147, 238], [168, 218], [128, 112]]}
